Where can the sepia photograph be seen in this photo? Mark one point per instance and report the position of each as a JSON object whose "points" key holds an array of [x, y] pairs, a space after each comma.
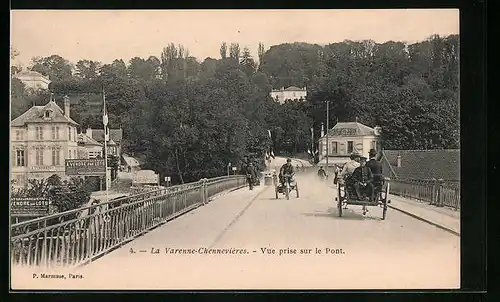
{"points": [[235, 149]]}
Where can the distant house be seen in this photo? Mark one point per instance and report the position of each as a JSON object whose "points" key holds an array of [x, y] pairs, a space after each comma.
{"points": [[89, 147], [32, 79], [290, 93], [422, 164], [345, 138], [114, 145]]}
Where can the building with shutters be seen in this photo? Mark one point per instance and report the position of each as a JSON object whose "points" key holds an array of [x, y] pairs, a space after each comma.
{"points": [[41, 139], [346, 138]]}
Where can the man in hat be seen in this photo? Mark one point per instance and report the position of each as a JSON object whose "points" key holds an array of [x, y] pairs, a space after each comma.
{"points": [[376, 167], [362, 178]]}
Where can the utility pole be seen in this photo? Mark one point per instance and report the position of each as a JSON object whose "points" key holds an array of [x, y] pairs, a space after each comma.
{"points": [[327, 129], [105, 123]]}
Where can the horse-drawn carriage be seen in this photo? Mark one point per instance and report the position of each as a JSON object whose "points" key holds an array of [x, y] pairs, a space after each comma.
{"points": [[290, 185], [346, 195]]}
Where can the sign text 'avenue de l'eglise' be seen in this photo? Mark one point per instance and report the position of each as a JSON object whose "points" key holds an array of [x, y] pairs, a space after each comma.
{"points": [[89, 167], [344, 132]]}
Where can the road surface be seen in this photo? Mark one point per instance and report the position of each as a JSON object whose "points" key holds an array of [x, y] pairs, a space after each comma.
{"points": [[356, 252]]}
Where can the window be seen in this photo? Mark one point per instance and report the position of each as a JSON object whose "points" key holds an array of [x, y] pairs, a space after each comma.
{"points": [[373, 145], [47, 114], [19, 135], [39, 157], [334, 148], [55, 132], [350, 147], [56, 157], [69, 133], [39, 133], [20, 158]]}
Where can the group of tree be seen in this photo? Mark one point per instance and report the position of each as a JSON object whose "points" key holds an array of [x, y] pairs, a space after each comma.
{"points": [[190, 119]]}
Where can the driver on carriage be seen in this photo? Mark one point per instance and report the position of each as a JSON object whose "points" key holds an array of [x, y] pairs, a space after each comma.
{"points": [[376, 168], [286, 169], [362, 179]]}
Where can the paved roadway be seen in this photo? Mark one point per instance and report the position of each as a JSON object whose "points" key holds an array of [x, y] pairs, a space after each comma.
{"points": [[398, 253]]}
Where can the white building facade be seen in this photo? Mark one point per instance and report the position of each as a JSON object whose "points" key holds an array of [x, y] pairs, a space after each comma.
{"points": [[345, 139], [290, 93], [41, 139], [33, 80]]}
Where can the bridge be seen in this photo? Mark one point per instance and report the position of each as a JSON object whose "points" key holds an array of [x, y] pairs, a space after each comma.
{"points": [[218, 234]]}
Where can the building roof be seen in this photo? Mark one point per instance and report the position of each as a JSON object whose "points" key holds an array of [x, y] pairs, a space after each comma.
{"points": [[111, 143], [352, 129], [422, 164], [87, 141], [36, 115], [114, 134], [293, 88], [30, 73]]}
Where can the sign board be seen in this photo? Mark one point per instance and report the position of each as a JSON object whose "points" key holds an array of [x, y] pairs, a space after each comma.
{"points": [[167, 178], [234, 168], [87, 167], [146, 177], [343, 132], [29, 207]]}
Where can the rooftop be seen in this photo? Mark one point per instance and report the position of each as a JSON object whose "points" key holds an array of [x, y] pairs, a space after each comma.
{"points": [[30, 73], [36, 115], [88, 141], [423, 164], [351, 129], [114, 134]]}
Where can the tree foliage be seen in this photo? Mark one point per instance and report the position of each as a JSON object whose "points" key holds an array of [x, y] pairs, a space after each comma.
{"points": [[189, 120]]}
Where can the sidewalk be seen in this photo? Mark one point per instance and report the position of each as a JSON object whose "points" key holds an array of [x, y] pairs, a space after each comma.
{"points": [[444, 218]]}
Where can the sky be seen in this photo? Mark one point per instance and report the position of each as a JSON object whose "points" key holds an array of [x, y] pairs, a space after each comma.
{"points": [[106, 35]]}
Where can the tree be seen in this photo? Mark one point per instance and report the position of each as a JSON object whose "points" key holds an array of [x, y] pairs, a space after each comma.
{"points": [[55, 67], [261, 51], [247, 63], [223, 50], [87, 69], [234, 51]]}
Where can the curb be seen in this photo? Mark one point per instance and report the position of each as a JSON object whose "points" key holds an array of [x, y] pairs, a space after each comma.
{"points": [[426, 220]]}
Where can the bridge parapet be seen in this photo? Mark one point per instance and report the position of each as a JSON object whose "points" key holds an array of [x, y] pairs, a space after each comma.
{"points": [[78, 236], [436, 192]]}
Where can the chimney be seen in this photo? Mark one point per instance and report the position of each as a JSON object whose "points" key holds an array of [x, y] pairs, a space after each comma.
{"points": [[66, 106], [89, 132], [322, 130], [399, 161]]}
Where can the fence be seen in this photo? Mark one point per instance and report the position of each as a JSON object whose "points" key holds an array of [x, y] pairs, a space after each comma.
{"points": [[436, 192], [78, 236]]}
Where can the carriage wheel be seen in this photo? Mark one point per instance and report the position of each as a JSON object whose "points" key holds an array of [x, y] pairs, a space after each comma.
{"points": [[276, 191], [287, 192], [386, 200], [297, 190]]}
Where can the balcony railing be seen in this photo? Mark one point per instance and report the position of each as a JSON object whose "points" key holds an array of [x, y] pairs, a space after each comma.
{"points": [[436, 192], [78, 236]]}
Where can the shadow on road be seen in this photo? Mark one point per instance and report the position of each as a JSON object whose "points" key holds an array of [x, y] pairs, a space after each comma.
{"points": [[347, 214]]}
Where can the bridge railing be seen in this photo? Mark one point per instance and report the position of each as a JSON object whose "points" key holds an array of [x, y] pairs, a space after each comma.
{"points": [[436, 191], [78, 236]]}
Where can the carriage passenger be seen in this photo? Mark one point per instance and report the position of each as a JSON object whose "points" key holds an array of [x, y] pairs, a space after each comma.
{"points": [[362, 178], [349, 167]]}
